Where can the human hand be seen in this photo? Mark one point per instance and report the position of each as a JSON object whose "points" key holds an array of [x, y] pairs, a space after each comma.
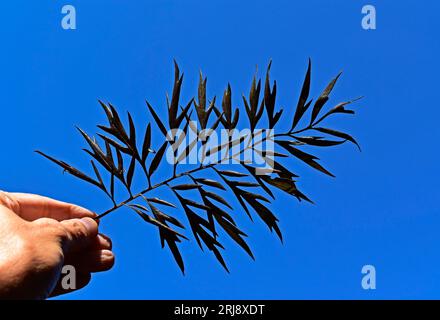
{"points": [[38, 236]]}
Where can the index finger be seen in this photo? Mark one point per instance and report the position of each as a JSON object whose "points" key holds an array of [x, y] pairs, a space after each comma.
{"points": [[31, 207]]}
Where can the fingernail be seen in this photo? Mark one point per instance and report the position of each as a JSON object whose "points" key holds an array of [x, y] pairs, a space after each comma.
{"points": [[89, 223], [85, 212], [105, 241], [107, 255]]}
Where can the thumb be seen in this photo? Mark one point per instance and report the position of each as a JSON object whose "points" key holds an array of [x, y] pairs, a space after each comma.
{"points": [[80, 233]]}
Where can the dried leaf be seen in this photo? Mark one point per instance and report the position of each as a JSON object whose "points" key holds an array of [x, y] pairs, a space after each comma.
{"points": [[157, 158], [147, 143], [323, 98], [161, 201], [338, 134], [187, 186], [73, 171], [307, 158], [301, 106], [210, 182], [157, 119], [130, 172]]}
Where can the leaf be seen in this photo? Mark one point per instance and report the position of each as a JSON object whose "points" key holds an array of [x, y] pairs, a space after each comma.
{"points": [[112, 186], [230, 144], [157, 158], [307, 158], [114, 144], [245, 184], [195, 204], [157, 119], [160, 215], [174, 105], [130, 172], [107, 111], [132, 139], [187, 186], [210, 182], [73, 171], [147, 143], [98, 154], [339, 108], [120, 164], [235, 233], [318, 141], [185, 153], [98, 176], [269, 99], [112, 131], [183, 114], [265, 214], [237, 192], [117, 123], [288, 186], [157, 223], [230, 173], [160, 201], [138, 206], [176, 253], [216, 197], [226, 105], [220, 259], [301, 106], [323, 98], [338, 134], [257, 177], [202, 115]]}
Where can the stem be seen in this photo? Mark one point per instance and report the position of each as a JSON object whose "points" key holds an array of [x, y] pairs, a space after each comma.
{"points": [[176, 176], [133, 197]]}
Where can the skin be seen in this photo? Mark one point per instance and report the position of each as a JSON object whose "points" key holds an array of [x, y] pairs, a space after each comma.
{"points": [[38, 236]]}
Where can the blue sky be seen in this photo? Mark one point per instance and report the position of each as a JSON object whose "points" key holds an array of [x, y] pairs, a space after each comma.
{"points": [[380, 210]]}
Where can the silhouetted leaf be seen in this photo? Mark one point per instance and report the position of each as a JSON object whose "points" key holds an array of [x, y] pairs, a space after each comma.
{"points": [[138, 206], [307, 158], [301, 106], [288, 186], [174, 105], [323, 98], [210, 182], [115, 144], [227, 105], [132, 131], [73, 171], [231, 173], [339, 108], [161, 201], [130, 172], [216, 197], [245, 184], [265, 214], [187, 186], [147, 143], [338, 134], [157, 119], [318, 141], [160, 215], [97, 174], [157, 158]]}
